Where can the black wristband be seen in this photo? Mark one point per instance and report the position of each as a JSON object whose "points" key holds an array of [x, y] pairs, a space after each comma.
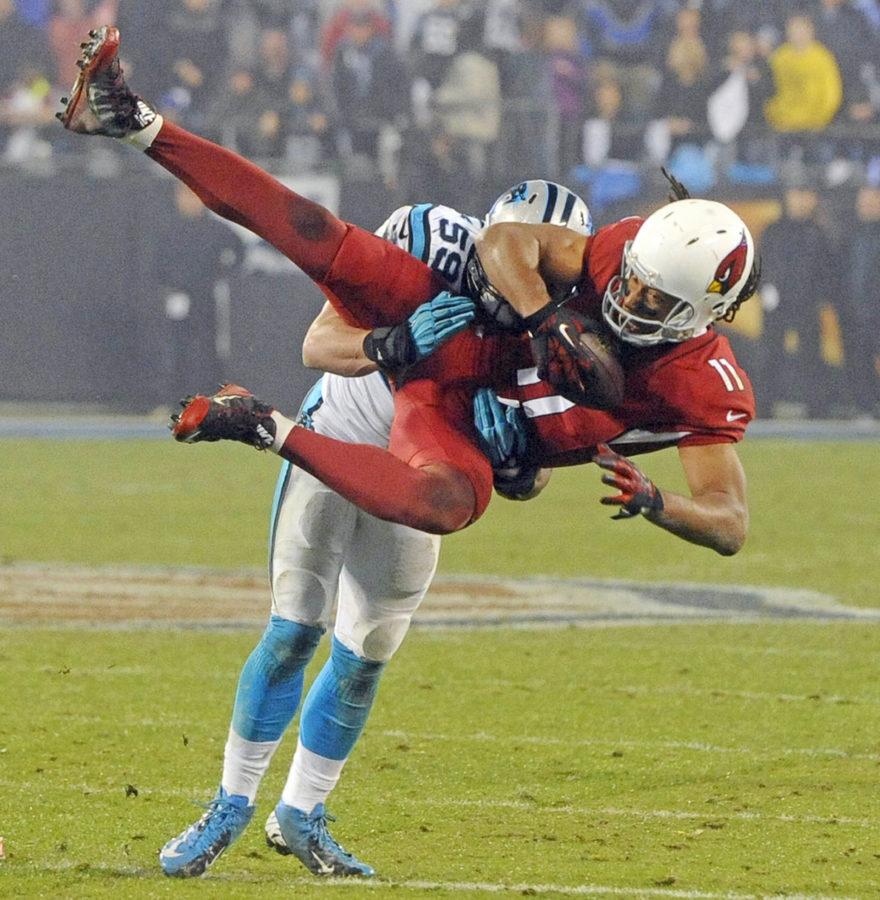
{"points": [[391, 347]]}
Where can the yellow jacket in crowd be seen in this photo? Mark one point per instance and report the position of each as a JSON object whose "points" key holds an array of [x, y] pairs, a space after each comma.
{"points": [[809, 89]]}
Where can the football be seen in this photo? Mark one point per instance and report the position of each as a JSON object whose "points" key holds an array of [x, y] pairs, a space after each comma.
{"points": [[578, 357], [604, 378]]}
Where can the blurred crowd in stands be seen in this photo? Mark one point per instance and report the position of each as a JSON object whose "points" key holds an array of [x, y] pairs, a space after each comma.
{"points": [[449, 100], [456, 89]]}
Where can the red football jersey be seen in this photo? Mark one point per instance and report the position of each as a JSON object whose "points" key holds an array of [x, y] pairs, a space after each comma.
{"points": [[687, 393]]}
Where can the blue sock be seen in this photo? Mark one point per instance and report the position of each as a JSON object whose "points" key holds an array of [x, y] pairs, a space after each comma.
{"points": [[338, 703], [270, 685]]}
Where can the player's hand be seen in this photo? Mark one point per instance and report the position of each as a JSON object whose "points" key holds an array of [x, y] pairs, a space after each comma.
{"points": [[521, 482], [575, 356], [638, 494], [438, 320], [501, 430], [554, 348], [397, 347]]}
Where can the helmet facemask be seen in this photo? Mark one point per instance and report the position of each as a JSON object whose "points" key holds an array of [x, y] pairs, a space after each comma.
{"points": [[677, 325]]}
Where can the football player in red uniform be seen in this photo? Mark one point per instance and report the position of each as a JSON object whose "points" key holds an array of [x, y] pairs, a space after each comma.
{"points": [[434, 476], [659, 284], [684, 386]]}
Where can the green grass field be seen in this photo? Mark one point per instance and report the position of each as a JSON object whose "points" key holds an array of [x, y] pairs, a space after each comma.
{"points": [[722, 760]]}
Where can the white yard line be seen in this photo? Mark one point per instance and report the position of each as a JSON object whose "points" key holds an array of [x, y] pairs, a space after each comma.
{"points": [[526, 740], [533, 807], [471, 887], [536, 684], [696, 746]]}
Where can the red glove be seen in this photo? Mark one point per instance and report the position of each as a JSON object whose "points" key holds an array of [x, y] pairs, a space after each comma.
{"points": [[583, 370], [638, 494]]}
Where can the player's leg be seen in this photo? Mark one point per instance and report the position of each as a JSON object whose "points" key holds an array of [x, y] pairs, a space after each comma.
{"points": [[387, 572], [310, 528], [369, 281], [434, 479]]}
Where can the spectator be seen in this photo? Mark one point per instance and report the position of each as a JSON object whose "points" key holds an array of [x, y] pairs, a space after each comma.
{"points": [[241, 117], [335, 29], [70, 21], [439, 36], [502, 37], [736, 103], [861, 294], [368, 83], [308, 123], [274, 67], [22, 43], [807, 80], [625, 34], [526, 145], [721, 18], [684, 89], [567, 71], [27, 107], [25, 90], [846, 33], [278, 13], [468, 111], [607, 137], [246, 20], [194, 34], [798, 283]]}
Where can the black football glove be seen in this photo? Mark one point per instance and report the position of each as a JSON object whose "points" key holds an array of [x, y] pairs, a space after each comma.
{"points": [[638, 494]]}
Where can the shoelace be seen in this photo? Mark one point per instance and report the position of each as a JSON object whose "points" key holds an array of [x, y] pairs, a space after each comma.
{"points": [[119, 98], [318, 832], [216, 816]]}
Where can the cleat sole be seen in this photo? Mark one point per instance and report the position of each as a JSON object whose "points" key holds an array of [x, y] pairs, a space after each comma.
{"points": [[103, 47], [186, 427]]}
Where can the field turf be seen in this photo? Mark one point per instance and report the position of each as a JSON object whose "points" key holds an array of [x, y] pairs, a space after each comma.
{"points": [[723, 760]]}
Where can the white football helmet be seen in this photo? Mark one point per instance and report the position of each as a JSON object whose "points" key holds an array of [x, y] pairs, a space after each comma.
{"points": [[697, 251], [537, 201]]}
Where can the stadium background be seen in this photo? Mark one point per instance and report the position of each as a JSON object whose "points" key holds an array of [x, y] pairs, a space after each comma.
{"points": [[715, 737], [368, 104]]}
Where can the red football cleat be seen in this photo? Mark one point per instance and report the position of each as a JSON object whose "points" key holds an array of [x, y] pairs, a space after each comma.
{"points": [[232, 414], [100, 100]]}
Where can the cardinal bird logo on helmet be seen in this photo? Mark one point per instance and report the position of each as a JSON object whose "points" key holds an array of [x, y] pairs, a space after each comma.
{"points": [[730, 269]]}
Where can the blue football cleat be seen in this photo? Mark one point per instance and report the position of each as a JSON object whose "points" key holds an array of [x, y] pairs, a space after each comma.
{"points": [[190, 853], [305, 835]]}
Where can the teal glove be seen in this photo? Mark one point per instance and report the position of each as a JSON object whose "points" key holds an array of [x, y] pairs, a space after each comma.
{"points": [[438, 320], [501, 430], [397, 347]]}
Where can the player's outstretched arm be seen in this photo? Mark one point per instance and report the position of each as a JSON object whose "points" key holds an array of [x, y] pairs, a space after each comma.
{"points": [[521, 260], [331, 344], [716, 515]]}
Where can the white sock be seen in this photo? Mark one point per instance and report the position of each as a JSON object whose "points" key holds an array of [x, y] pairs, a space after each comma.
{"points": [[311, 779], [144, 138], [283, 427], [244, 764]]}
